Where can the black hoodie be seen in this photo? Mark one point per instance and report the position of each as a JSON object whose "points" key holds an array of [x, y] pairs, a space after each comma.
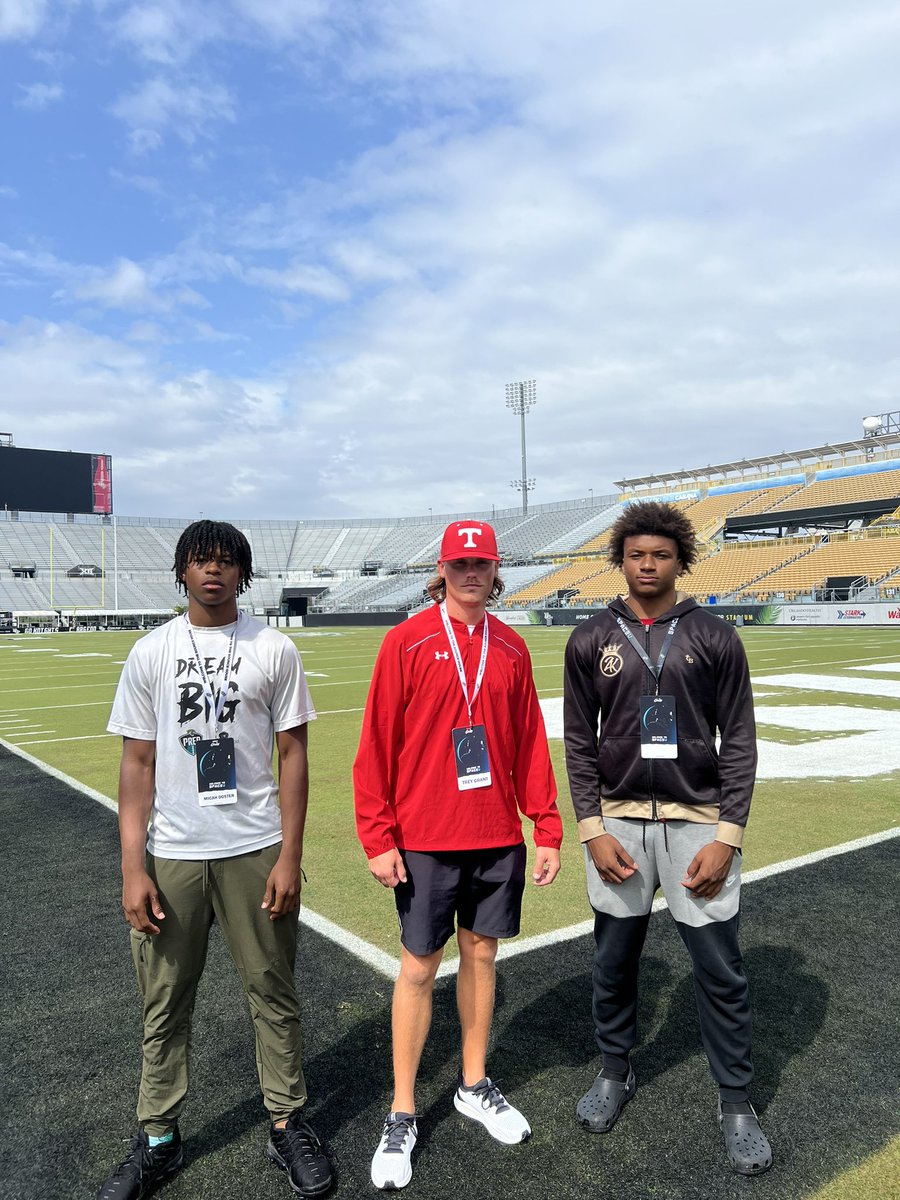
{"points": [[706, 671]]}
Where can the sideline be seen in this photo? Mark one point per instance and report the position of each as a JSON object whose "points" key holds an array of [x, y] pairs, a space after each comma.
{"points": [[385, 964]]}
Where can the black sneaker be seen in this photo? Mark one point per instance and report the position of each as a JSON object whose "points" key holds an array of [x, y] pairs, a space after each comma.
{"points": [[298, 1151], [144, 1168]]}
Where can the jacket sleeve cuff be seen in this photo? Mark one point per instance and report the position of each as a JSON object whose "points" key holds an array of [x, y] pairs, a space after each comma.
{"points": [[373, 851], [547, 842], [590, 827], [731, 835]]}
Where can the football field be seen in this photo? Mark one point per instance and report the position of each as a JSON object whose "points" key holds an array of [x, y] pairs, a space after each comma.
{"points": [[828, 707], [820, 938]]}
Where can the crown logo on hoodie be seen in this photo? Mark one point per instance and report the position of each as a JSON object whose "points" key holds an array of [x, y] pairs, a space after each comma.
{"points": [[610, 659]]}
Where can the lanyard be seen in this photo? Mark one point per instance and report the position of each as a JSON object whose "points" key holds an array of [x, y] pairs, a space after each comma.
{"points": [[667, 642], [214, 706], [457, 658]]}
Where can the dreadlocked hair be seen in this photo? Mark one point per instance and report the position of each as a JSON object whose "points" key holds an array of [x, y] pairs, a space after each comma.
{"points": [[653, 518], [213, 539]]}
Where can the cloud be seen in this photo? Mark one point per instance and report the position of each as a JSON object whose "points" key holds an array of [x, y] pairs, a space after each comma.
{"points": [[39, 95], [286, 21], [83, 392], [299, 277], [160, 105], [142, 183], [21, 18], [127, 285], [681, 224], [167, 32], [124, 286]]}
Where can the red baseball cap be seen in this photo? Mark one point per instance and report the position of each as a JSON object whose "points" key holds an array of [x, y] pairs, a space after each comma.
{"points": [[469, 539]]}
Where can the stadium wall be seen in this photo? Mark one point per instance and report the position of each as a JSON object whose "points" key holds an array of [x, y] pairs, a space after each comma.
{"points": [[736, 614], [325, 620]]}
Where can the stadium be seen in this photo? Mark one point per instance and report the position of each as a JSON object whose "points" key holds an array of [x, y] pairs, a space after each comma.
{"points": [[815, 526], [801, 550]]}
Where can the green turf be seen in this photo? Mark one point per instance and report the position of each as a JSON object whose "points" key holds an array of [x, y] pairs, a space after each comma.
{"points": [[55, 703]]}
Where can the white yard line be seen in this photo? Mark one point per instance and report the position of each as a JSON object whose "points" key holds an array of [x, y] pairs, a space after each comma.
{"points": [[511, 949], [54, 707], [50, 741], [61, 775], [380, 961], [388, 966]]}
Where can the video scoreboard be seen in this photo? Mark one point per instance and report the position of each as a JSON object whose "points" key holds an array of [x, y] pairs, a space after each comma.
{"points": [[55, 481]]}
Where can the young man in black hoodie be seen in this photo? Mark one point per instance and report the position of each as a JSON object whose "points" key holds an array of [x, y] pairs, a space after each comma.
{"points": [[658, 806]]}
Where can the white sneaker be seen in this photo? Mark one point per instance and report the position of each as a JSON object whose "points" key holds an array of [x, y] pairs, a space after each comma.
{"points": [[391, 1163], [486, 1103]]}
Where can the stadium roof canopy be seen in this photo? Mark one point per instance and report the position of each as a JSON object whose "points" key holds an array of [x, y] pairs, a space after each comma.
{"points": [[766, 462]]}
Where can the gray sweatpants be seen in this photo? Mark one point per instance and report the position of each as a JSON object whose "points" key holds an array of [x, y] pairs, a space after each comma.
{"points": [[169, 965], [708, 928]]}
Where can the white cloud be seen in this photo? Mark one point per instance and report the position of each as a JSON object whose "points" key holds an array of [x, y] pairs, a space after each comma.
{"points": [[127, 285], [21, 18], [159, 106], [167, 32], [39, 95], [368, 262], [124, 286], [142, 183], [288, 20], [680, 222], [299, 277]]}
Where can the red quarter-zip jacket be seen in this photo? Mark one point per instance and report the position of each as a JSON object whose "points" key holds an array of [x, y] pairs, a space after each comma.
{"points": [[404, 776]]}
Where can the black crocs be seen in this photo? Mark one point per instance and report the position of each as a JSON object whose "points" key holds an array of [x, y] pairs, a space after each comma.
{"points": [[599, 1109], [745, 1143]]}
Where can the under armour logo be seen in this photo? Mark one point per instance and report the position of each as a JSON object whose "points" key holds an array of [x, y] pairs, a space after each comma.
{"points": [[470, 531], [438, 654]]}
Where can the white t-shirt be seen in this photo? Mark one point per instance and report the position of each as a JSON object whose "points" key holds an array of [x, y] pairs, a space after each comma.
{"points": [[160, 698]]}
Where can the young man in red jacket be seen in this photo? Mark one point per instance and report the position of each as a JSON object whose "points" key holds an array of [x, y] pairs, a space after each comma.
{"points": [[452, 749]]}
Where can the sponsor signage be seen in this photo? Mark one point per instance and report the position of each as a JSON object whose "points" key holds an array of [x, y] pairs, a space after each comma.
{"points": [[838, 614], [85, 571]]}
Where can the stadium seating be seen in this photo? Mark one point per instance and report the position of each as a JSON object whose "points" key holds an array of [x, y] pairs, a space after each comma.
{"points": [[870, 558], [558, 551], [736, 567], [823, 493]]}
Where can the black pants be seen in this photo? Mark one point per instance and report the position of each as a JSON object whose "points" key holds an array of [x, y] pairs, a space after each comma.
{"points": [[720, 987]]}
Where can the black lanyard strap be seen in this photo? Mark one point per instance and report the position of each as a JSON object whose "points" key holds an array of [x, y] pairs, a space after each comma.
{"points": [[667, 642]]}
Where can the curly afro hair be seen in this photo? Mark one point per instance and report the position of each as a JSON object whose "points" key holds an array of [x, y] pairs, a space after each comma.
{"points": [[653, 518]]}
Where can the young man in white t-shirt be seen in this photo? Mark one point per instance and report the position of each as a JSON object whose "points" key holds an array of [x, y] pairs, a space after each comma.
{"points": [[206, 835]]}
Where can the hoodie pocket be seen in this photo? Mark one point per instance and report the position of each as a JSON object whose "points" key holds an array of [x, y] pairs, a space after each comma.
{"points": [[623, 773], [692, 777]]}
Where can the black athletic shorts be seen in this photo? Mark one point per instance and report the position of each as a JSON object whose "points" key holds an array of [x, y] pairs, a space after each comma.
{"points": [[480, 890]]}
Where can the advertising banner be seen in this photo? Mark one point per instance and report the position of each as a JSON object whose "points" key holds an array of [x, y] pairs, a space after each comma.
{"points": [[101, 470], [514, 616], [858, 613]]}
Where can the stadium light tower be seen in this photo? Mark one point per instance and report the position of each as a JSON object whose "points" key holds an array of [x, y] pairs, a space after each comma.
{"points": [[521, 397]]}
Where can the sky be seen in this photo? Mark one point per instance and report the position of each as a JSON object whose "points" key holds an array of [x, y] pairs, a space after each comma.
{"points": [[280, 258]]}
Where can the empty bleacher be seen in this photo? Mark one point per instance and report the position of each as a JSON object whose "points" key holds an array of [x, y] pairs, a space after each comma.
{"points": [[829, 490], [736, 567], [563, 579], [559, 550], [868, 558]]}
